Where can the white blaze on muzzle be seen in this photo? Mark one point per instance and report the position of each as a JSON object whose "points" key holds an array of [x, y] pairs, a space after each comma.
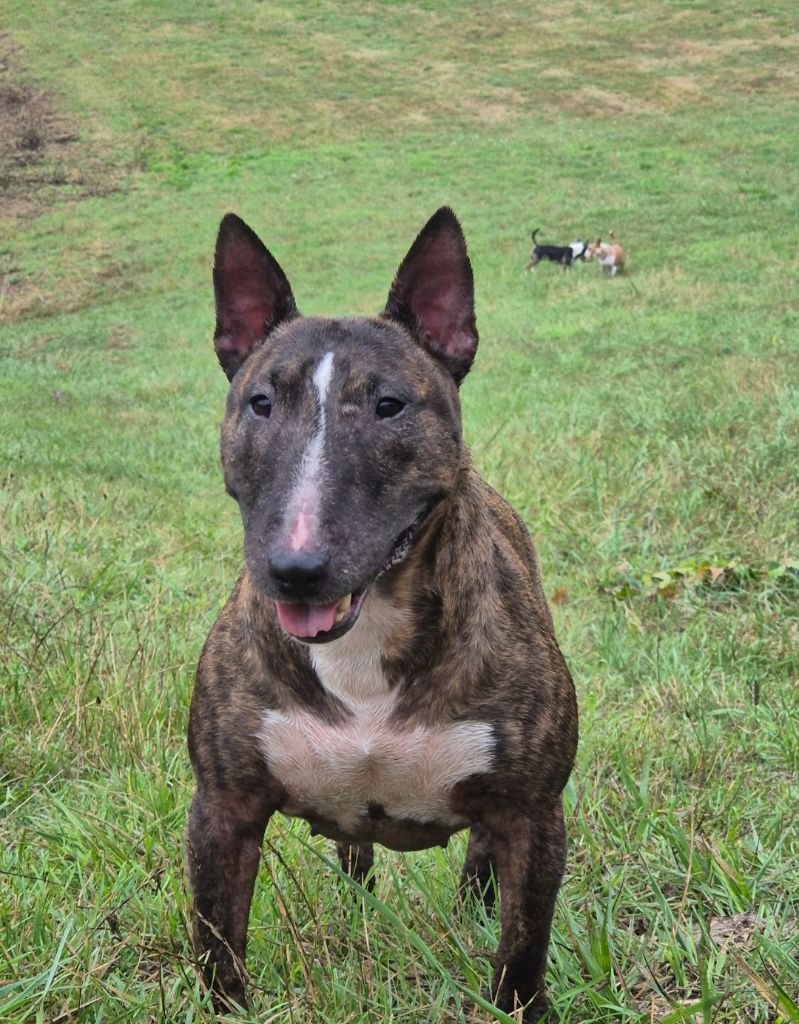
{"points": [[302, 509]]}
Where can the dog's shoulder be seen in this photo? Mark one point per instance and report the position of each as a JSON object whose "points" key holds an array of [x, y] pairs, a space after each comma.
{"points": [[502, 526], [504, 519], [491, 553]]}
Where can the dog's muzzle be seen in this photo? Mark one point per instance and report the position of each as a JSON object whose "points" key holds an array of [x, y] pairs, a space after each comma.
{"points": [[302, 574]]}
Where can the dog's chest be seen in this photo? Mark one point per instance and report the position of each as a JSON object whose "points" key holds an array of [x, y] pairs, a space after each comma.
{"points": [[370, 766]]}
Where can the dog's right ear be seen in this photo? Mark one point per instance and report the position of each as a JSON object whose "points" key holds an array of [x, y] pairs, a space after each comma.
{"points": [[253, 294]]}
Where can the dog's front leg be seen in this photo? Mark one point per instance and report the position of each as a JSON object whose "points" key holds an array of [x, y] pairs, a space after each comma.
{"points": [[529, 852], [223, 851]]}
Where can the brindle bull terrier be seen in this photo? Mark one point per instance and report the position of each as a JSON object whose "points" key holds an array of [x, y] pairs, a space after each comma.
{"points": [[386, 667]]}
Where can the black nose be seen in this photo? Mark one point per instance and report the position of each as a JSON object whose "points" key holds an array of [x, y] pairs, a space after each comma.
{"points": [[299, 574]]}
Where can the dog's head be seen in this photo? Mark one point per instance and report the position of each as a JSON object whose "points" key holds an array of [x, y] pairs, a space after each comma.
{"points": [[340, 436], [578, 248]]}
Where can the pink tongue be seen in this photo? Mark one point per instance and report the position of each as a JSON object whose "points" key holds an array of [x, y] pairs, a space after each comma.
{"points": [[306, 619]]}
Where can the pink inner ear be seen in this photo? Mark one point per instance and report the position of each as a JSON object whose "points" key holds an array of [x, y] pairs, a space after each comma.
{"points": [[241, 320], [245, 309], [440, 307]]}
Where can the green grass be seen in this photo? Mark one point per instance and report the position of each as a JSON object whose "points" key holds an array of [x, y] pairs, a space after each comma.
{"points": [[640, 425]]}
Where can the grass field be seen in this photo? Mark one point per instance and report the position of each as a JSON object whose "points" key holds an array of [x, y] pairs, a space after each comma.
{"points": [[646, 427]]}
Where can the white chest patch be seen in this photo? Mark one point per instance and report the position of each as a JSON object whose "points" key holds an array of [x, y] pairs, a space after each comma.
{"points": [[337, 771]]}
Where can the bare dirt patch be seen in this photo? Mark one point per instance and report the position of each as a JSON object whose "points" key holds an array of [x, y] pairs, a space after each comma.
{"points": [[42, 155], [591, 101]]}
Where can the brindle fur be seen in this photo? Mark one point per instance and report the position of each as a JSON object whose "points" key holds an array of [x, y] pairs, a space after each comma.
{"points": [[478, 645]]}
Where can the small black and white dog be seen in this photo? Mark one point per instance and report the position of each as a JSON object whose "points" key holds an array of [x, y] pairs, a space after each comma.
{"points": [[563, 254]]}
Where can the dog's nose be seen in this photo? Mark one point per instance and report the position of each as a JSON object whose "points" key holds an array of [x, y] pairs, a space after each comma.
{"points": [[299, 574]]}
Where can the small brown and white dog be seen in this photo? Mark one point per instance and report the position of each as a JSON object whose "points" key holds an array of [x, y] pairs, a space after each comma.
{"points": [[610, 255]]}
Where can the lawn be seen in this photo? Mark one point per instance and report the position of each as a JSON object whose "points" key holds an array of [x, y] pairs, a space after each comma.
{"points": [[646, 427]]}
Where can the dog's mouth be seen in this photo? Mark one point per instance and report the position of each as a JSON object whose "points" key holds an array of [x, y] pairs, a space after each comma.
{"points": [[320, 623], [404, 543]]}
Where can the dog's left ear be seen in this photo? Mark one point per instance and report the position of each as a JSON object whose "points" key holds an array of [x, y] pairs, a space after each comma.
{"points": [[433, 294]]}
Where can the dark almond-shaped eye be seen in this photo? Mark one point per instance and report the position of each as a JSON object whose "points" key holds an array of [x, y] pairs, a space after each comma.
{"points": [[261, 405], [388, 407]]}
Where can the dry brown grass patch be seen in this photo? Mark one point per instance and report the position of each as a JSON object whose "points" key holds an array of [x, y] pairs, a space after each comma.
{"points": [[40, 148]]}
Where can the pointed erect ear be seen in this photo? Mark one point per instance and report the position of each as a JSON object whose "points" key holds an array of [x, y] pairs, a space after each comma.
{"points": [[252, 293], [433, 294]]}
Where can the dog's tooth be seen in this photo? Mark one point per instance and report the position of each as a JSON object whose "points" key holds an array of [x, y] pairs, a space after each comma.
{"points": [[342, 607]]}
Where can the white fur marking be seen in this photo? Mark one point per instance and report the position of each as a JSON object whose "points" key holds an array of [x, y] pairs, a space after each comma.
{"points": [[338, 770], [323, 374], [351, 667], [303, 504]]}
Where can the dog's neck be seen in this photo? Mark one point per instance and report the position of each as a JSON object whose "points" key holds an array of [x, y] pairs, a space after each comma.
{"points": [[409, 613], [352, 668]]}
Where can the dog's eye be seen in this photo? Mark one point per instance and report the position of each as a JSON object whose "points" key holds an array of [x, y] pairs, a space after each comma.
{"points": [[388, 407], [261, 405]]}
